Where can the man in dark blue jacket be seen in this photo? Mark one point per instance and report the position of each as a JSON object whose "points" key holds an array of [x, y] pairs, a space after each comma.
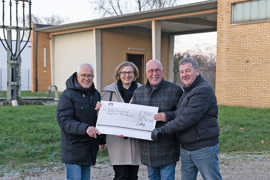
{"points": [[77, 116], [195, 124]]}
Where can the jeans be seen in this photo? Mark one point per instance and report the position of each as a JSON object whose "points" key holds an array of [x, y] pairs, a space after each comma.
{"points": [[125, 172], [204, 160], [162, 173], [77, 172]]}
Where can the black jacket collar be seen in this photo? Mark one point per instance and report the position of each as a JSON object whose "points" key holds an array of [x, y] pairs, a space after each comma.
{"points": [[197, 81]]}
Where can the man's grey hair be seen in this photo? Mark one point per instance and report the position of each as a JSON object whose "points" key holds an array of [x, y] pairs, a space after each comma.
{"points": [[154, 60], [84, 64], [185, 60]]}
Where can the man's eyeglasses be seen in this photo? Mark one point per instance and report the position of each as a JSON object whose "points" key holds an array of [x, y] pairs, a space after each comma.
{"points": [[89, 76], [154, 70], [126, 72]]}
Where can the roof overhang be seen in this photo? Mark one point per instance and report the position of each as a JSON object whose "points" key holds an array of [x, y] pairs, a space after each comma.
{"points": [[184, 19]]}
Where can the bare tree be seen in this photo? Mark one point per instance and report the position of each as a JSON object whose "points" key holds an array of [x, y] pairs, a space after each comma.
{"points": [[207, 65], [50, 20], [120, 7], [36, 20], [54, 20]]}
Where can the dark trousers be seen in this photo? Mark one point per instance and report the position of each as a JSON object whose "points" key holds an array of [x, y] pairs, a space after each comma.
{"points": [[125, 172]]}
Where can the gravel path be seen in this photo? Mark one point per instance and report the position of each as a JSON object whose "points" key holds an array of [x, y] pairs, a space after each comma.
{"points": [[238, 166]]}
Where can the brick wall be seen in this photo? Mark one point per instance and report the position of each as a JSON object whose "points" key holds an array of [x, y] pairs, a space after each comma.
{"points": [[243, 60]]}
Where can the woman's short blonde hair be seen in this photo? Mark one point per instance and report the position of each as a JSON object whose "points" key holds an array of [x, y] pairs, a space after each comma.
{"points": [[124, 64]]}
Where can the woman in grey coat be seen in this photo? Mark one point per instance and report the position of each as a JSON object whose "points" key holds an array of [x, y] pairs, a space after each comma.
{"points": [[124, 152]]}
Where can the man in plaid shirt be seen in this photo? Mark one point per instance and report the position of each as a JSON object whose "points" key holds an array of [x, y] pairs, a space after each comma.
{"points": [[159, 156]]}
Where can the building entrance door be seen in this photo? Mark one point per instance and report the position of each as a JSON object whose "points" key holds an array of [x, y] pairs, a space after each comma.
{"points": [[138, 60]]}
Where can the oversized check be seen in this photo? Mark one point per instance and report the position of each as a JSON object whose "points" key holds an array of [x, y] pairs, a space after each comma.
{"points": [[129, 120]]}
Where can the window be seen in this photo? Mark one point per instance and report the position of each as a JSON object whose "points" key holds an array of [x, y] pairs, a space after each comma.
{"points": [[250, 11], [45, 58]]}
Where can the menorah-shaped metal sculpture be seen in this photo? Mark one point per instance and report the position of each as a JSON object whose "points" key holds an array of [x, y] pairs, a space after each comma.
{"points": [[20, 26]]}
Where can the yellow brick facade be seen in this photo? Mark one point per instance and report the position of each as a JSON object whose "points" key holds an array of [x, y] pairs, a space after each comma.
{"points": [[243, 60]]}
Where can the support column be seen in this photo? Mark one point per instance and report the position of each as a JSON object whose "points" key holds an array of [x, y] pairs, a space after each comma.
{"points": [[156, 40], [171, 58], [9, 68], [97, 52], [13, 70]]}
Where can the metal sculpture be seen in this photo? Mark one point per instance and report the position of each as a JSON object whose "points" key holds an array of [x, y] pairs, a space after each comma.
{"points": [[20, 27]]}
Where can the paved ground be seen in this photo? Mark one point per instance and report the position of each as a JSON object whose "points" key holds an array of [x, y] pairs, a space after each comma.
{"points": [[233, 167]]}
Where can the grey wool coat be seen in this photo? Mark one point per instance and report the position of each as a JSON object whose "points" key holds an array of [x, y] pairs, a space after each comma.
{"points": [[122, 151], [165, 96]]}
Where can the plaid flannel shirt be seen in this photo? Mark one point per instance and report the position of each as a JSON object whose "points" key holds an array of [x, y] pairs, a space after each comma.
{"points": [[165, 150]]}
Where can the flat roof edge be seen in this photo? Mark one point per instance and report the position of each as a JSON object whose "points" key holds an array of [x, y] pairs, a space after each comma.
{"points": [[181, 9]]}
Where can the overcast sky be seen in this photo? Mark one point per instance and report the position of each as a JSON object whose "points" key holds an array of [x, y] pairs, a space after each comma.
{"points": [[74, 10], [79, 10]]}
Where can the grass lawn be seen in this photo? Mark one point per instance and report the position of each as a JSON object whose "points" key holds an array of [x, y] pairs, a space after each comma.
{"points": [[28, 94], [35, 94], [30, 134], [244, 129]]}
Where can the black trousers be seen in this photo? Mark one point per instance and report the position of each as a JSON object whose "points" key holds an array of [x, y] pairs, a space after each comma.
{"points": [[125, 172]]}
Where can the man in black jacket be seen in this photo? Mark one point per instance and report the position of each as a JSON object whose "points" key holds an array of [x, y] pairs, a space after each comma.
{"points": [[196, 125], [77, 116]]}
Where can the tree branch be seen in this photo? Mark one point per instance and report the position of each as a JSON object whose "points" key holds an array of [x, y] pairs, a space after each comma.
{"points": [[119, 7]]}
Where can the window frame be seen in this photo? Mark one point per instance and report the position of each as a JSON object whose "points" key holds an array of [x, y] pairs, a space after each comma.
{"points": [[249, 21]]}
